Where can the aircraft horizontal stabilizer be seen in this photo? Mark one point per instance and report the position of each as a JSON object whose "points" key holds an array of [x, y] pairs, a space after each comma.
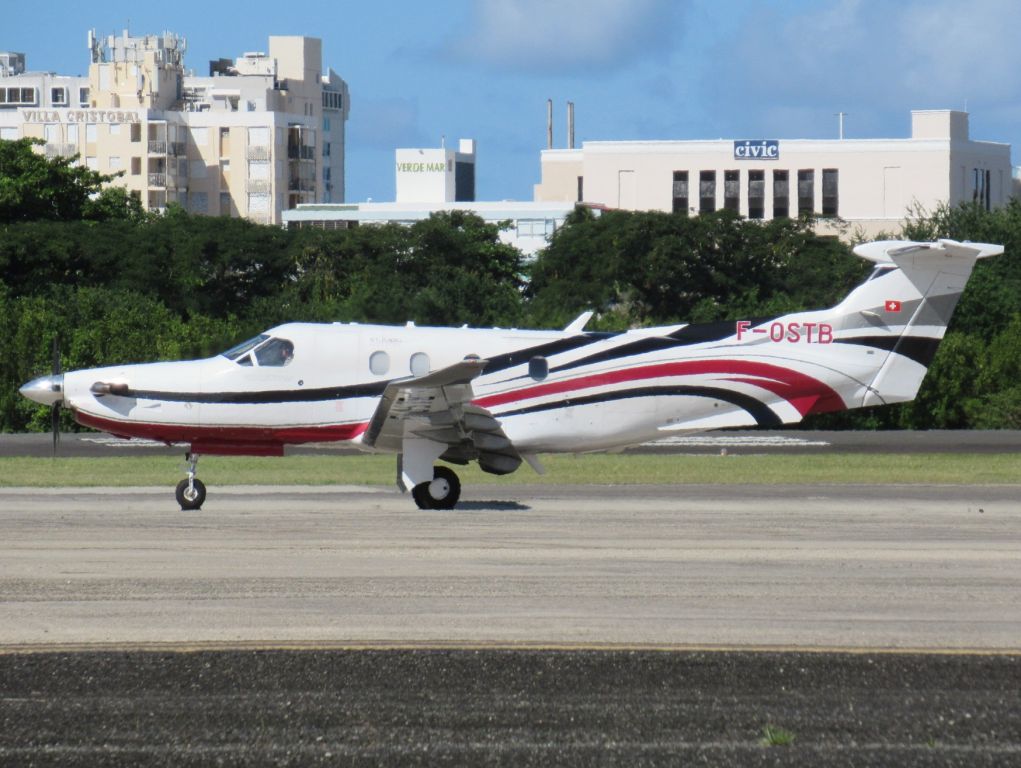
{"points": [[893, 251]]}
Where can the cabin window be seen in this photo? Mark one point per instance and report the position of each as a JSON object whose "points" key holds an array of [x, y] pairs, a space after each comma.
{"points": [[275, 353], [379, 363], [538, 368], [419, 364]]}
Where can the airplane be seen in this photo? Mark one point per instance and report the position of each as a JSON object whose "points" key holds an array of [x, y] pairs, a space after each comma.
{"points": [[501, 397]]}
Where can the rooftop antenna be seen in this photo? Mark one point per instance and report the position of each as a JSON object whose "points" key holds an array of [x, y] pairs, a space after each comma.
{"points": [[549, 123], [570, 125], [841, 116]]}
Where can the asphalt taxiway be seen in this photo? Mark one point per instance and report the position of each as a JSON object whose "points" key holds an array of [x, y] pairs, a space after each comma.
{"points": [[784, 566]]}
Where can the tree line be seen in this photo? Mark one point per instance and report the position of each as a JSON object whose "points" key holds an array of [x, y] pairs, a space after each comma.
{"points": [[112, 284]]}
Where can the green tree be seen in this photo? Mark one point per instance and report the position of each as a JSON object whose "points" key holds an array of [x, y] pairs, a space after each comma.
{"points": [[33, 186], [653, 268]]}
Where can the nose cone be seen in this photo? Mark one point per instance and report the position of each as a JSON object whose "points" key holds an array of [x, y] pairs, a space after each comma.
{"points": [[46, 389]]}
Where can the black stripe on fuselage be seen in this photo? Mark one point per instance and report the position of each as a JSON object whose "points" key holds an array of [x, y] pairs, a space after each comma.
{"points": [[921, 349], [682, 337], [502, 362], [262, 397], [763, 414]]}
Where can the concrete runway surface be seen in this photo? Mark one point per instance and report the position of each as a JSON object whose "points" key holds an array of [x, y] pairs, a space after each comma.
{"points": [[536, 626]]}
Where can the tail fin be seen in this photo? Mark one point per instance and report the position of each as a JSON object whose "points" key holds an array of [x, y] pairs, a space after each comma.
{"points": [[906, 306]]}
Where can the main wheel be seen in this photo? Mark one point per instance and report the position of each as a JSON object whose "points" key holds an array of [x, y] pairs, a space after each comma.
{"points": [[191, 498], [442, 492]]}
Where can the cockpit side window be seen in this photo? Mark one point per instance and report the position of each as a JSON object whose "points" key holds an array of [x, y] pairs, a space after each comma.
{"points": [[275, 353], [244, 347]]}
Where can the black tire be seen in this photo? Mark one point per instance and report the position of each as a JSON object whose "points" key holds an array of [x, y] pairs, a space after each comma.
{"points": [[449, 487], [197, 496], [453, 488], [421, 495]]}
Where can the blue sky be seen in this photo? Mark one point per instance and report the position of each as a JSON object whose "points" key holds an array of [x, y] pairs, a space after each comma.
{"points": [[635, 69]]}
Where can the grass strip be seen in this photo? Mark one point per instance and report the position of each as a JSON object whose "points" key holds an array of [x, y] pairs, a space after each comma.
{"points": [[594, 469]]}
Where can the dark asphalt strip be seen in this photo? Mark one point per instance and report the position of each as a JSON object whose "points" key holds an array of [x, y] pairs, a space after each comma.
{"points": [[508, 707]]}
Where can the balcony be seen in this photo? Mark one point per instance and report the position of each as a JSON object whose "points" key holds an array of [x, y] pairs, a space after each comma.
{"points": [[177, 149], [259, 153], [259, 186], [157, 147], [302, 152], [157, 180], [61, 150]]}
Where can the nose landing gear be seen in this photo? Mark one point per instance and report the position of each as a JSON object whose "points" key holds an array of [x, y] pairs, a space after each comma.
{"points": [[191, 492]]}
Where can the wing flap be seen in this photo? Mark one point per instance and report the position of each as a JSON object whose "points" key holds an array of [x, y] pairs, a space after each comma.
{"points": [[437, 407]]}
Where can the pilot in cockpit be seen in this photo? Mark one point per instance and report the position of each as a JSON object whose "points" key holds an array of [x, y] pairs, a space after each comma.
{"points": [[275, 353]]}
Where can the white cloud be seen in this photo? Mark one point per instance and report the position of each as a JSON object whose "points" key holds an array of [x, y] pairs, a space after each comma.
{"points": [[867, 57], [564, 36]]}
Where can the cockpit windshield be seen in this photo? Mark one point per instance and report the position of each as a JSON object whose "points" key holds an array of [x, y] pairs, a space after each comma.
{"points": [[244, 347], [266, 351]]}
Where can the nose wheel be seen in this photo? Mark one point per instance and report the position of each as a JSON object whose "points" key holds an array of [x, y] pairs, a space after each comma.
{"points": [[442, 492], [191, 491]]}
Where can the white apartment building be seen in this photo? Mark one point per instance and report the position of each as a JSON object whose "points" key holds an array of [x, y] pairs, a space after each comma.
{"points": [[260, 134], [872, 184], [436, 174]]}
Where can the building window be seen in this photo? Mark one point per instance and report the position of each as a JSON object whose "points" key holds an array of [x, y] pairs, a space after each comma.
{"points": [[115, 163], [830, 198], [136, 167], [806, 192], [756, 194], [225, 208], [706, 191], [781, 195], [83, 96], [581, 188], [18, 96], [681, 192], [732, 190], [332, 100], [980, 191], [58, 97], [198, 202], [136, 132]]}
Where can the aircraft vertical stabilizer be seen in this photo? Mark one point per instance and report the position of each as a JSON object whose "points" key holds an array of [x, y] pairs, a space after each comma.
{"points": [[910, 304]]}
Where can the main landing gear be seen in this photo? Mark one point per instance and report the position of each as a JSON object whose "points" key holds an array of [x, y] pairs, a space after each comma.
{"points": [[191, 491], [442, 492]]}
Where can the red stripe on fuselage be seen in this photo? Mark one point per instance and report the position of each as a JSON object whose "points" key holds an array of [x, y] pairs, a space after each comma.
{"points": [[805, 393], [258, 441]]}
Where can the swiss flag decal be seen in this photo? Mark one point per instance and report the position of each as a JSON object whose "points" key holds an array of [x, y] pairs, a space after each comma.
{"points": [[893, 305]]}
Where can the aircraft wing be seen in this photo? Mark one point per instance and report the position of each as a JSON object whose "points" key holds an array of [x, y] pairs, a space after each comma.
{"points": [[438, 407]]}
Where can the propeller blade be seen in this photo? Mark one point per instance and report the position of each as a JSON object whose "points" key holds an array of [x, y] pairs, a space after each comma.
{"points": [[55, 409], [55, 425]]}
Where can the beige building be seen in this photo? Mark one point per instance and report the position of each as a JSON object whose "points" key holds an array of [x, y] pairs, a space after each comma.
{"points": [[260, 134], [872, 184]]}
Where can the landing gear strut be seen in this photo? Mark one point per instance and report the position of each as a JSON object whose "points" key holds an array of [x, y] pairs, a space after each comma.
{"points": [[442, 492], [191, 492]]}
